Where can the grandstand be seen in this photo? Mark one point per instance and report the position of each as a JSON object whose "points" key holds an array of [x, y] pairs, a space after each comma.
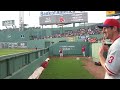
{"points": [[28, 34]]}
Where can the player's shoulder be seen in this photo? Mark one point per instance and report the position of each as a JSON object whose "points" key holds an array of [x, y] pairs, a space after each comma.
{"points": [[115, 47], [117, 43]]}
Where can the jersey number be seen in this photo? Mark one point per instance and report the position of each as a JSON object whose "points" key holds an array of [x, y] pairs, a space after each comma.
{"points": [[111, 59]]}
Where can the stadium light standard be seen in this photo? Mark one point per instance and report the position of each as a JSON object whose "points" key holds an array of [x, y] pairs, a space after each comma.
{"points": [[21, 20]]}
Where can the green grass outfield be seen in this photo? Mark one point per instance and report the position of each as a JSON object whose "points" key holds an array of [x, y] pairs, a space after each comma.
{"points": [[12, 51], [65, 68]]}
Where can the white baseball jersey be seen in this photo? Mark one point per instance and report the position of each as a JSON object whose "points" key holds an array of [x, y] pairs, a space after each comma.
{"points": [[112, 63]]}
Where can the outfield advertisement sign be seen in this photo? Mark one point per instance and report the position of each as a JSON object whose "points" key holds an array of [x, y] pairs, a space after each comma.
{"points": [[112, 13], [66, 48], [50, 13], [64, 19], [71, 39]]}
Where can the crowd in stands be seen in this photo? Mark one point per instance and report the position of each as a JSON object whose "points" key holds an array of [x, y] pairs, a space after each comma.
{"points": [[81, 33]]}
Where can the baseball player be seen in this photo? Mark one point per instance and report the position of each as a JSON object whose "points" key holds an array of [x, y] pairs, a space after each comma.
{"points": [[83, 50], [111, 64], [61, 52]]}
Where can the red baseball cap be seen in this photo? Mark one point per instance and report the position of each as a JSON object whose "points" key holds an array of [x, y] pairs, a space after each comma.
{"points": [[110, 22]]}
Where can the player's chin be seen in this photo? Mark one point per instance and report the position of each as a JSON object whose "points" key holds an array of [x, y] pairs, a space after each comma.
{"points": [[108, 37]]}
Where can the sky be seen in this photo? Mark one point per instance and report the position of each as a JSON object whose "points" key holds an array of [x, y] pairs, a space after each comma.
{"points": [[32, 17]]}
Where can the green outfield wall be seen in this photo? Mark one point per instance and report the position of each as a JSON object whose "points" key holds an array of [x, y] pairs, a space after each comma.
{"points": [[69, 48], [94, 49]]}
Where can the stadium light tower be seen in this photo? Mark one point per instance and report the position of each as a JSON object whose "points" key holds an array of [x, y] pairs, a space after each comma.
{"points": [[21, 20]]}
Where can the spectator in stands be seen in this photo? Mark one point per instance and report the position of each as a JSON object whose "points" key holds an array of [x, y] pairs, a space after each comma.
{"points": [[83, 50], [61, 52]]}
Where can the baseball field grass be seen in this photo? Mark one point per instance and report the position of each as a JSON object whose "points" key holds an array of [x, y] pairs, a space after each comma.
{"points": [[12, 51], [66, 68]]}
